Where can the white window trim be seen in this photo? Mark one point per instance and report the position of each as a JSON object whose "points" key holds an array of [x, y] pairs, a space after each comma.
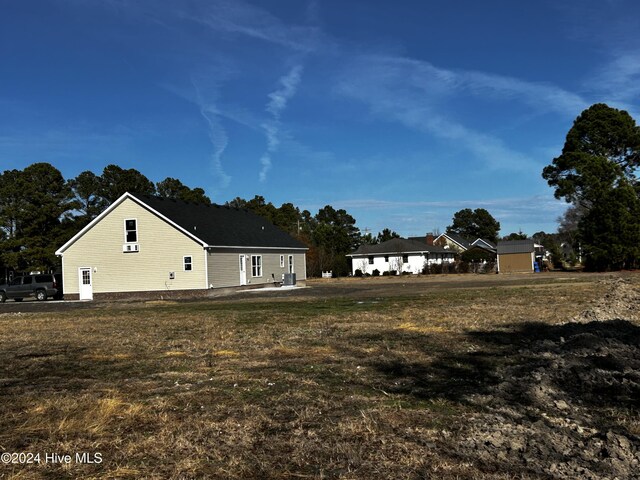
{"points": [[125, 230], [184, 263], [259, 266]]}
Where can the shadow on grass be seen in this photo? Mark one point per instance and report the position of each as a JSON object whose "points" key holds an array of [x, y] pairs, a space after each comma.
{"points": [[64, 368], [592, 364]]}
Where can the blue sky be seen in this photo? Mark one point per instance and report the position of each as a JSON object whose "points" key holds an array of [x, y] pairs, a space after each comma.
{"points": [[400, 112]]}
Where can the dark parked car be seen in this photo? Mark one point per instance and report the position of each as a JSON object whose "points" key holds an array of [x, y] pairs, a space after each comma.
{"points": [[41, 286]]}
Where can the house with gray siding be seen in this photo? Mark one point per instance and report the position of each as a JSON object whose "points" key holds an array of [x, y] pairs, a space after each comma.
{"points": [[163, 248]]}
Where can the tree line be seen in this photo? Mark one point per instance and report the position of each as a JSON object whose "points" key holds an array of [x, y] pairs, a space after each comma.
{"points": [[40, 210], [595, 173]]}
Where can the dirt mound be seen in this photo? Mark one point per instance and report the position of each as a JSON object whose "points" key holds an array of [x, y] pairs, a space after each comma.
{"points": [[565, 404], [621, 300]]}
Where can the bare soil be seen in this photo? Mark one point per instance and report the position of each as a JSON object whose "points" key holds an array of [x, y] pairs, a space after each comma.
{"points": [[565, 404]]}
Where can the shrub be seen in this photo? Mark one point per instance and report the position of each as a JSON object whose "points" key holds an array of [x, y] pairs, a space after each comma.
{"points": [[385, 273], [376, 273], [477, 255], [357, 273], [462, 267], [393, 272], [435, 268]]}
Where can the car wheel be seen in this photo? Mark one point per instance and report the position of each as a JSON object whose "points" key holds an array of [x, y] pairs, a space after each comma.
{"points": [[41, 295], [17, 299], [3, 297]]}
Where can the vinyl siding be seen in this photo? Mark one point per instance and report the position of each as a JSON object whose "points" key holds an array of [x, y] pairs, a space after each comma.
{"points": [[162, 248], [224, 266]]}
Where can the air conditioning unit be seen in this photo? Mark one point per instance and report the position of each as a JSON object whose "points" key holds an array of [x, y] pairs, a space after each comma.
{"points": [[130, 247]]}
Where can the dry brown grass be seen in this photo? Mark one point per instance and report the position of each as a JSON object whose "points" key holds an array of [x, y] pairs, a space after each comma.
{"points": [[312, 388]]}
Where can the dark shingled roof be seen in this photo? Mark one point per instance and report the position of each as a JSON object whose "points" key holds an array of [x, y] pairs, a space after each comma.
{"points": [[489, 242], [479, 241], [221, 226], [515, 246], [398, 245]]}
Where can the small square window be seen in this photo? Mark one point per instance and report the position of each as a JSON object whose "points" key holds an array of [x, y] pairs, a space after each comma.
{"points": [[188, 264], [370, 260], [405, 258]]}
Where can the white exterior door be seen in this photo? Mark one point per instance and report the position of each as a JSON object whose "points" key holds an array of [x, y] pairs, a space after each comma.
{"points": [[243, 269], [86, 287]]}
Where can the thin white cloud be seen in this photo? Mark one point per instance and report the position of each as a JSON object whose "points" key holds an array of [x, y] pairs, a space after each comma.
{"points": [[217, 134], [232, 17], [412, 93], [241, 18], [435, 82], [618, 82], [541, 97], [278, 100], [417, 94], [289, 84], [608, 29]]}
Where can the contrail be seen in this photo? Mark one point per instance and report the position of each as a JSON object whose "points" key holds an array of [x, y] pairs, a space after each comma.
{"points": [[277, 103], [217, 135]]}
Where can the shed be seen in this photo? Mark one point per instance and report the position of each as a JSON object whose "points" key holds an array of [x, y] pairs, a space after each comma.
{"points": [[516, 256]]}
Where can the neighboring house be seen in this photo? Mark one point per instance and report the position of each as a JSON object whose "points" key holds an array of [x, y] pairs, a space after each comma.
{"points": [[460, 245], [400, 255], [149, 244], [480, 252], [485, 244], [569, 253], [452, 241], [516, 256]]}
